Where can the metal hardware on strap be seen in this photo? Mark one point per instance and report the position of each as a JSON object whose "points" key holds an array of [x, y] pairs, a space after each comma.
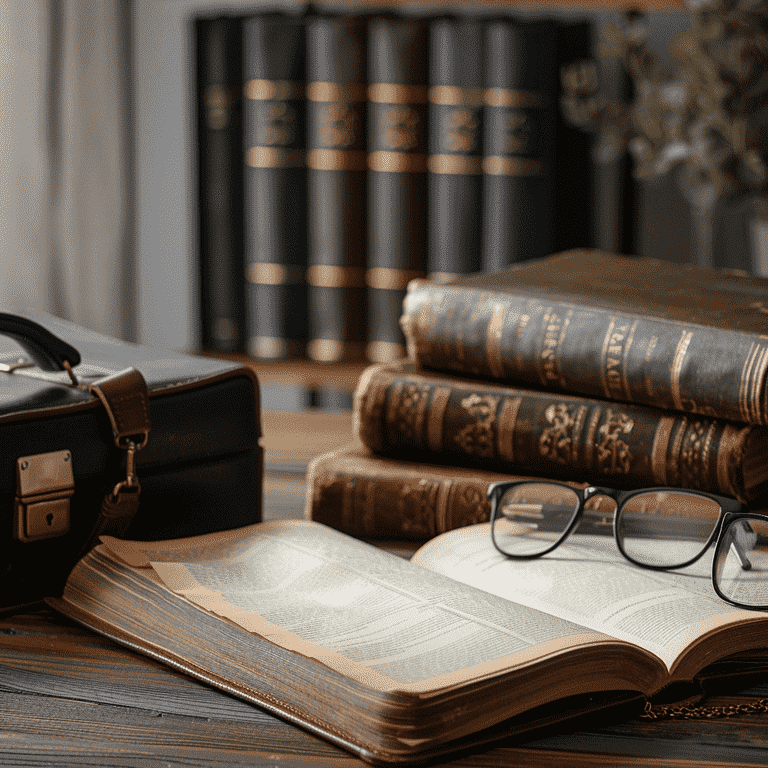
{"points": [[126, 399]]}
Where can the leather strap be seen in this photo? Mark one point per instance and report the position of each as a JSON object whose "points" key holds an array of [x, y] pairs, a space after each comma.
{"points": [[126, 398]]}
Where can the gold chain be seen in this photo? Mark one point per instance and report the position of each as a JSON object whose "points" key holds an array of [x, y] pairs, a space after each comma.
{"points": [[671, 712]]}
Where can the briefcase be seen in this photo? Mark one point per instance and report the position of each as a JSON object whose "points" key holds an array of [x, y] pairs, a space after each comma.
{"points": [[99, 436]]}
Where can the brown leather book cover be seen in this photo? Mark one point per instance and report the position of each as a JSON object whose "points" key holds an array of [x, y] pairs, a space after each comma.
{"points": [[358, 492], [415, 414], [622, 328]]}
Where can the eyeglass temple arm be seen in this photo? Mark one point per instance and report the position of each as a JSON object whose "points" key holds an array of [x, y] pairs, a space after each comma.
{"points": [[737, 545]]}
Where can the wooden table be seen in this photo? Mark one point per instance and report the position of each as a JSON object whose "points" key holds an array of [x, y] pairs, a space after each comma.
{"points": [[69, 697]]}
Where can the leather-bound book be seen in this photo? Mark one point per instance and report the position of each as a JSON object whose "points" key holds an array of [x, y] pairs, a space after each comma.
{"points": [[455, 181], [397, 177], [337, 99], [275, 184], [413, 414], [622, 328], [358, 492], [519, 141], [219, 126]]}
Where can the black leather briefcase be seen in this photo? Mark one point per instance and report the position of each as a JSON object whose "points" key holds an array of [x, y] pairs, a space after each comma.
{"points": [[101, 436]]}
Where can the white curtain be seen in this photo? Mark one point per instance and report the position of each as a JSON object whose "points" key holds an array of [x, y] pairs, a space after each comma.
{"points": [[65, 158]]}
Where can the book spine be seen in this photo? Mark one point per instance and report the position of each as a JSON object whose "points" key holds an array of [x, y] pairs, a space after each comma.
{"points": [[337, 165], [220, 183], [454, 178], [472, 423], [588, 350], [375, 498], [574, 184], [519, 141], [275, 185], [397, 163]]}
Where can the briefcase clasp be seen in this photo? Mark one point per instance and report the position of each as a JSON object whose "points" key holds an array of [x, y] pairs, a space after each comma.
{"points": [[44, 485]]}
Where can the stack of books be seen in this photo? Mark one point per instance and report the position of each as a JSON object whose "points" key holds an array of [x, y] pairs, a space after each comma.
{"points": [[611, 370]]}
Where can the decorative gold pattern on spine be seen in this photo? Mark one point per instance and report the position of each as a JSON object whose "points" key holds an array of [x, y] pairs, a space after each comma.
{"points": [[274, 274], [454, 96], [442, 523], [493, 341], [390, 279], [505, 437], [397, 162], [435, 418], [330, 92], [590, 443], [706, 450], [392, 93], [497, 165], [613, 373], [506, 97], [660, 449], [673, 468], [677, 366], [751, 404], [278, 90], [476, 438], [274, 157], [456, 164], [333, 276], [337, 160], [729, 444]]}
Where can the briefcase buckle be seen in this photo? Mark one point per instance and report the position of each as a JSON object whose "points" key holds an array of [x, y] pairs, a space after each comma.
{"points": [[44, 485]]}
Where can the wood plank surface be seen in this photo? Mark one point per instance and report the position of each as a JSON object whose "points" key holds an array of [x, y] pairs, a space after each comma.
{"points": [[69, 697]]}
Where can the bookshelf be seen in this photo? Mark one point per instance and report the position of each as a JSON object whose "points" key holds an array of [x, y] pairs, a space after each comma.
{"points": [[166, 284]]}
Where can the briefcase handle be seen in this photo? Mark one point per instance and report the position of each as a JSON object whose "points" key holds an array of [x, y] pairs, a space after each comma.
{"points": [[49, 352]]}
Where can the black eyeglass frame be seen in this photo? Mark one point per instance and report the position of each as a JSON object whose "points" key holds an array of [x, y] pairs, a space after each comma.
{"points": [[731, 511], [497, 490]]}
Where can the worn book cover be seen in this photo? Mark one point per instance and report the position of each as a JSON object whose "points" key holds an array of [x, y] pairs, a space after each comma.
{"points": [[408, 412], [622, 328]]}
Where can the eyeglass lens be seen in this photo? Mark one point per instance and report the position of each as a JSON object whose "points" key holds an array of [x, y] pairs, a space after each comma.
{"points": [[741, 562], [665, 529], [532, 517], [656, 528]]}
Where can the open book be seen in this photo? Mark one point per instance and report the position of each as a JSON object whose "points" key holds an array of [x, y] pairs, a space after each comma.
{"points": [[399, 660]]}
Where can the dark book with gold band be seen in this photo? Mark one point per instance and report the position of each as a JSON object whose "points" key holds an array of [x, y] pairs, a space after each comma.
{"points": [[337, 99], [275, 184], [218, 84], [397, 163], [415, 414], [455, 181], [519, 141], [617, 327]]}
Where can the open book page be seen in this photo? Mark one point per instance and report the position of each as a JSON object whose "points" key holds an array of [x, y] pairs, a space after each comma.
{"points": [[587, 580], [361, 611]]}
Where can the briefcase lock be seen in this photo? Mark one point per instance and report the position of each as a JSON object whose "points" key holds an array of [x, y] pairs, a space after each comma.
{"points": [[44, 484]]}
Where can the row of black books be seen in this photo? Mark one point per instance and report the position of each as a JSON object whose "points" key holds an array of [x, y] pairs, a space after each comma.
{"points": [[341, 156]]}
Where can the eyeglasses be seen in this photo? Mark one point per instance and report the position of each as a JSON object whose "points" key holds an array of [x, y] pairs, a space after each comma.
{"points": [[656, 528]]}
